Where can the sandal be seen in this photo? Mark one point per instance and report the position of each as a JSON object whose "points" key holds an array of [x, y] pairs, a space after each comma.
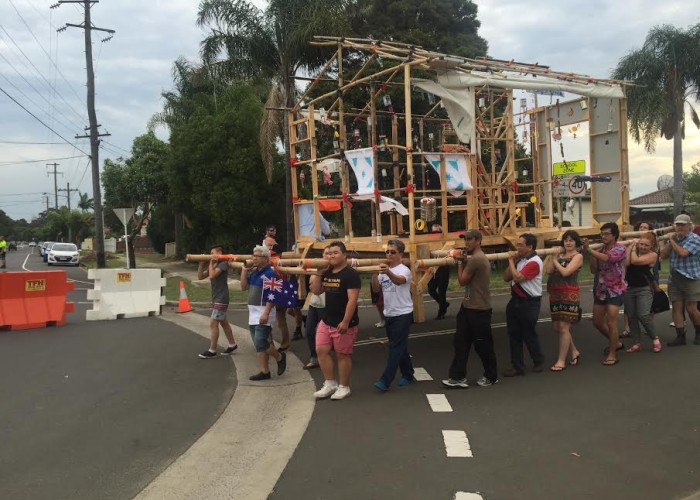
{"points": [[310, 366], [555, 368], [657, 345], [635, 348], [620, 347], [574, 360], [609, 362], [282, 349]]}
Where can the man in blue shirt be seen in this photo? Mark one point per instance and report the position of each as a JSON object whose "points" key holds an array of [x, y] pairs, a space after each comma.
{"points": [[683, 248]]}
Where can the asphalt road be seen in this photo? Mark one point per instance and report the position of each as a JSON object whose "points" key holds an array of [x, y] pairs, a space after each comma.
{"points": [[628, 431], [98, 409]]}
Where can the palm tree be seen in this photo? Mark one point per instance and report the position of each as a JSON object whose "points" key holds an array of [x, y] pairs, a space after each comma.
{"points": [[273, 44], [666, 71], [85, 202]]}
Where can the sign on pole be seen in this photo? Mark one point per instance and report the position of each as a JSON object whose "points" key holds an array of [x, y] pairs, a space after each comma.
{"points": [[577, 187], [125, 215], [569, 167]]}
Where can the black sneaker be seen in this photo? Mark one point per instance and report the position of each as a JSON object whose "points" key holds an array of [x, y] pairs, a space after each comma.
{"points": [[260, 376], [679, 340], [208, 354], [281, 364], [229, 350]]}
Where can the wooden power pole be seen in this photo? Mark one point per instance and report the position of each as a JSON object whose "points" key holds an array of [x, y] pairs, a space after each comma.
{"points": [[94, 134]]}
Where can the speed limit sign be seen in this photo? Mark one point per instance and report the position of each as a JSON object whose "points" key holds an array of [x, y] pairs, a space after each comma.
{"points": [[577, 186]]}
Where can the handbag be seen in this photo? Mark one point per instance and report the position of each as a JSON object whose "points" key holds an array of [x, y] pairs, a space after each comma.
{"points": [[660, 302]]}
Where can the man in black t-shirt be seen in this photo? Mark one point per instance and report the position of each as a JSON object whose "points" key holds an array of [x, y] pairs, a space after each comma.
{"points": [[337, 329], [217, 272]]}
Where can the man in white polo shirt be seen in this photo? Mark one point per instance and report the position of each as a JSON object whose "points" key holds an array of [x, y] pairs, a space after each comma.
{"points": [[523, 310]]}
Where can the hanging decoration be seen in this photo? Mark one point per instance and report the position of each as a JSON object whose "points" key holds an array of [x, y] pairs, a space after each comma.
{"points": [[327, 179], [302, 176]]}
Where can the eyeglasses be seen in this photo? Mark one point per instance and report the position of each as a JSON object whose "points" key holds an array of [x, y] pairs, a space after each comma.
{"points": [[390, 252]]}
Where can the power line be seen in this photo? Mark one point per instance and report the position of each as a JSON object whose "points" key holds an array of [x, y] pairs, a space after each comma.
{"points": [[33, 143], [50, 87], [40, 121], [19, 194], [44, 50], [5, 163], [117, 147]]}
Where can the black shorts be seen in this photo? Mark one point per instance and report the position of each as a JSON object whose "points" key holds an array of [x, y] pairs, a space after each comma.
{"points": [[608, 300]]}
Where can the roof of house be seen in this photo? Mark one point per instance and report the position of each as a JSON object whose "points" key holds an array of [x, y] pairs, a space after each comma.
{"points": [[663, 196]]}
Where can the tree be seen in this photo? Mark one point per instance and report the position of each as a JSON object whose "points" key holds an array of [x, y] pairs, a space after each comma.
{"points": [[274, 44], [666, 73], [139, 182], [447, 26], [86, 203]]}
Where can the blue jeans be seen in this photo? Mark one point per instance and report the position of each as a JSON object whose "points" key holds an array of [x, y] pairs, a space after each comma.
{"points": [[261, 337], [313, 316], [521, 321], [397, 328]]}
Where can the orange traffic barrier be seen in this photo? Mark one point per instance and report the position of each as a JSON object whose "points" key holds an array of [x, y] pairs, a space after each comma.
{"points": [[184, 304], [34, 299]]}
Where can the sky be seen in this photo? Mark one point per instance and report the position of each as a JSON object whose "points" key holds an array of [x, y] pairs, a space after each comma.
{"points": [[44, 71]]}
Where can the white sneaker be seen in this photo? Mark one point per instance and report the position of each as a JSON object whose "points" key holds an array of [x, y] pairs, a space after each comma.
{"points": [[381, 324], [328, 388], [672, 324], [484, 382], [452, 383], [342, 392]]}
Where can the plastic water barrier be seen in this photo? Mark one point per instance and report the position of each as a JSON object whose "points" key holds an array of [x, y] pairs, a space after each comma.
{"points": [[125, 293], [34, 299]]}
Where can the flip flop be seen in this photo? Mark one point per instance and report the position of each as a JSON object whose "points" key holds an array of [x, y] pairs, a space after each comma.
{"points": [[282, 349], [574, 361], [555, 368], [609, 362], [310, 366]]}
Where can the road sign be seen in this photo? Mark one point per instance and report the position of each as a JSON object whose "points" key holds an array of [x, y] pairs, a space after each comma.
{"points": [[560, 186], [577, 187], [569, 167]]}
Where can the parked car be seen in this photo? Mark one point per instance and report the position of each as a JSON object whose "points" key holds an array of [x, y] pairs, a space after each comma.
{"points": [[32, 243], [42, 248], [63, 253], [47, 249]]}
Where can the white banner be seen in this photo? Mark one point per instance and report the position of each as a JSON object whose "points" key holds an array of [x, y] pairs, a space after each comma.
{"points": [[362, 163], [456, 173]]}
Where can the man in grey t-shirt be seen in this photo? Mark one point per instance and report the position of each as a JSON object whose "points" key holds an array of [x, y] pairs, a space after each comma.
{"points": [[217, 272]]}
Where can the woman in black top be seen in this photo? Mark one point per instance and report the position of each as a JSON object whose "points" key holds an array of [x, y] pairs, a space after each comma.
{"points": [[641, 260]]}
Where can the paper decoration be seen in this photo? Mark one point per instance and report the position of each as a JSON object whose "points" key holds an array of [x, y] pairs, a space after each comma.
{"points": [[456, 172], [362, 164]]}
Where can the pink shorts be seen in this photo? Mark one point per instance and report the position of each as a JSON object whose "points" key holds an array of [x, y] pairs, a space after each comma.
{"points": [[328, 335]]}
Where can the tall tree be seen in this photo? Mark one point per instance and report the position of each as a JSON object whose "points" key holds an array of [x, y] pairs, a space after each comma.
{"points": [[666, 71], [447, 26], [273, 43], [85, 203], [139, 182]]}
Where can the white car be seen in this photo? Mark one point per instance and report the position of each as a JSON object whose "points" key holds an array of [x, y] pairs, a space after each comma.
{"points": [[63, 253]]}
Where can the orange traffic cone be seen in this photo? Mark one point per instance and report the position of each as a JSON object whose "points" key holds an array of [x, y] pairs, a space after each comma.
{"points": [[184, 305]]}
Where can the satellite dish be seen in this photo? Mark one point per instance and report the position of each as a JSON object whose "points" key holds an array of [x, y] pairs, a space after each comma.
{"points": [[664, 182]]}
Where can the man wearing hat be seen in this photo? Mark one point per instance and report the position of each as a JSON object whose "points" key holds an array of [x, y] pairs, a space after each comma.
{"points": [[683, 248], [474, 317]]}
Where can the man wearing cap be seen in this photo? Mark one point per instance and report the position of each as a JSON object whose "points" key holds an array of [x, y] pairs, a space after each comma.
{"points": [[474, 317], [683, 248], [523, 310]]}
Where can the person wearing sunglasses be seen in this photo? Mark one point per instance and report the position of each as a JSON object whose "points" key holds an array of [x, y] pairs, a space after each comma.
{"points": [[394, 281], [608, 267]]}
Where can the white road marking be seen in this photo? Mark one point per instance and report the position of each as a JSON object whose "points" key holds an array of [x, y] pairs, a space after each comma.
{"points": [[457, 444], [439, 403], [421, 375], [24, 264], [463, 495]]}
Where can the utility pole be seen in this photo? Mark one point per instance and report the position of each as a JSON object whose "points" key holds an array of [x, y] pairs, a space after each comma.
{"points": [[55, 181], [68, 191], [94, 133], [45, 196]]}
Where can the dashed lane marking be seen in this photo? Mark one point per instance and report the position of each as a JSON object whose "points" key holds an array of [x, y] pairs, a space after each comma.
{"points": [[439, 403], [421, 375], [463, 495], [457, 444]]}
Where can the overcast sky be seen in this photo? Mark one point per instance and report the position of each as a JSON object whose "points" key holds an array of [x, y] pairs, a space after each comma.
{"points": [[133, 68]]}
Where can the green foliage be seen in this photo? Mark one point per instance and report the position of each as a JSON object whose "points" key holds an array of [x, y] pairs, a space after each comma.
{"points": [[58, 224], [692, 184], [161, 229], [447, 26], [216, 176]]}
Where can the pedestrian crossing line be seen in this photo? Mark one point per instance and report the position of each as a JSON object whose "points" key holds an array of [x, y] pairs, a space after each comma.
{"points": [[457, 444], [439, 403], [421, 375], [463, 495]]}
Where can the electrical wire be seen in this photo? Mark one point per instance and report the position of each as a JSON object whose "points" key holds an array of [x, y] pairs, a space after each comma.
{"points": [[40, 121], [6, 163]]}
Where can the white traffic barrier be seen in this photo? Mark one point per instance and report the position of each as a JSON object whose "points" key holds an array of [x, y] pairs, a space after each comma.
{"points": [[125, 293]]}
